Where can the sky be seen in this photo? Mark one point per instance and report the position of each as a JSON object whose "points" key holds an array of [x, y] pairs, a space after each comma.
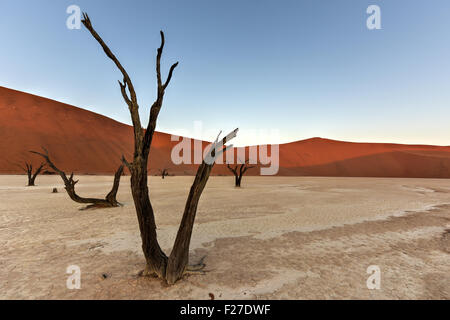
{"points": [[280, 70]]}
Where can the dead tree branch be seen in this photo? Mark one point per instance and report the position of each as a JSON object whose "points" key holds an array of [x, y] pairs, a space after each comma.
{"points": [[164, 173], [69, 182], [179, 257], [171, 269], [239, 171], [32, 176]]}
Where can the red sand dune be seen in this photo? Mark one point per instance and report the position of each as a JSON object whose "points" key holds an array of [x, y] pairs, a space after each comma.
{"points": [[88, 143], [323, 157]]}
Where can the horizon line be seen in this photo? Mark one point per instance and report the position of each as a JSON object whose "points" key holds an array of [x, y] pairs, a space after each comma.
{"points": [[246, 146]]}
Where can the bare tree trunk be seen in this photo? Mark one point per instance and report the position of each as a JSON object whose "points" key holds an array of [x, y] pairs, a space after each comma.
{"points": [[32, 176], [156, 259], [171, 269], [239, 171], [109, 201], [164, 173], [179, 256]]}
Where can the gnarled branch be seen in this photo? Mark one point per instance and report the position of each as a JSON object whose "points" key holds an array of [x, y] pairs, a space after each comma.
{"points": [[110, 199], [156, 107], [132, 100]]}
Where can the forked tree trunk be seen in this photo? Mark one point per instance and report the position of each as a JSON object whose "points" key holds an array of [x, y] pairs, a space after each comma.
{"points": [[169, 268], [32, 176], [109, 201], [239, 171], [164, 173]]}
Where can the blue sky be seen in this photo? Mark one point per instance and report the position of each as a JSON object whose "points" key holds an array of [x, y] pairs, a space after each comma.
{"points": [[300, 68]]}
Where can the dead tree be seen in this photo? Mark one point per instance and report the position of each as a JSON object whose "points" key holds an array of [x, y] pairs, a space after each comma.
{"points": [[110, 199], [239, 171], [32, 176], [164, 173], [170, 268]]}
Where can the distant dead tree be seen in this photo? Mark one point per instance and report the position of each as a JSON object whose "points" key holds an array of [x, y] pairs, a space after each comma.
{"points": [[239, 171], [32, 176], [110, 199], [169, 268], [164, 173]]}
